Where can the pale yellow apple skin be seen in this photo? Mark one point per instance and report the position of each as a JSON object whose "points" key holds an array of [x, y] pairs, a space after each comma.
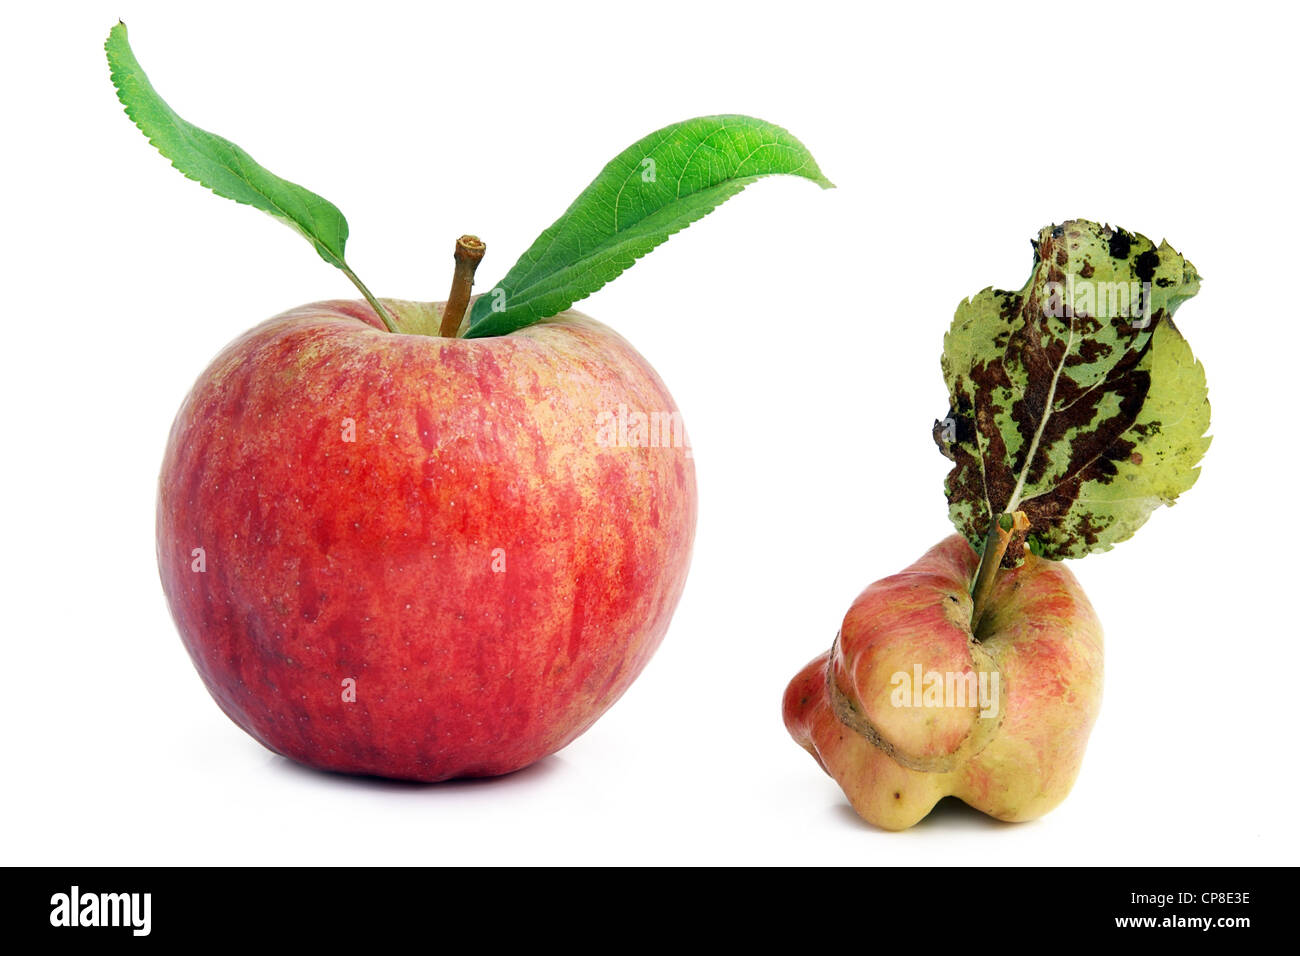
{"points": [[1041, 638]]}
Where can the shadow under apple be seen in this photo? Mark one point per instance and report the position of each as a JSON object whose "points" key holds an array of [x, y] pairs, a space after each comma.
{"points": [[950, 813], [527, 776]]}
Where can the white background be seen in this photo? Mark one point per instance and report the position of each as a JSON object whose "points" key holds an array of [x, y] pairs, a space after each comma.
{"points": [[799, 330]]}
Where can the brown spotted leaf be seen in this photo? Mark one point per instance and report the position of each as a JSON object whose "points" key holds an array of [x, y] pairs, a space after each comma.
{"points": [[1075, 399]]}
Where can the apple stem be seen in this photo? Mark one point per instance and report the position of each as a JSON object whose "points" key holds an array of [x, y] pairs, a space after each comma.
{"points": [[374, 303], [1003, 529], [469, 253]]}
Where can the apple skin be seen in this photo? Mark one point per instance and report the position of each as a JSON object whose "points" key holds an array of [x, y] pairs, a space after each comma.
{"points": [[373, 560], [1039, 635]]}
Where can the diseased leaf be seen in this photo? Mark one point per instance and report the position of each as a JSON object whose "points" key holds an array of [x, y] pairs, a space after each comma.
{"points": [[1075, 399], [654, 188]]}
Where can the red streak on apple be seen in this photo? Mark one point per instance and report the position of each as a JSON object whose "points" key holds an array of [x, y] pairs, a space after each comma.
{"points": [[488, 572]]}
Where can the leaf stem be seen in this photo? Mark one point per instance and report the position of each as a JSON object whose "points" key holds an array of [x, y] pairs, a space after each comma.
{"points": [[469, 253], [374, 303], [1002, 530]]}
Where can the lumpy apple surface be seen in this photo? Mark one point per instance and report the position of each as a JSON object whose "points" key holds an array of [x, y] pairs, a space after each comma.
{"points": [[1010, 740]]}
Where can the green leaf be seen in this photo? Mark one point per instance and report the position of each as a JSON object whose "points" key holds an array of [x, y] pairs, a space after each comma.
{"points": [[654, 188], [223, 167], [1076, 399]]}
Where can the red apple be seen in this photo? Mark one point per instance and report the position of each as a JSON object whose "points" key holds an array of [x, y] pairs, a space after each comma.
{"points": [[910, 706], [422, 557]]}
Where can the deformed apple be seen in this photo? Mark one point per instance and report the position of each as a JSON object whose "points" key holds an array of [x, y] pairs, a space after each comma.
{"points": [[404, 539], [1076, 410], [911, 706]]}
